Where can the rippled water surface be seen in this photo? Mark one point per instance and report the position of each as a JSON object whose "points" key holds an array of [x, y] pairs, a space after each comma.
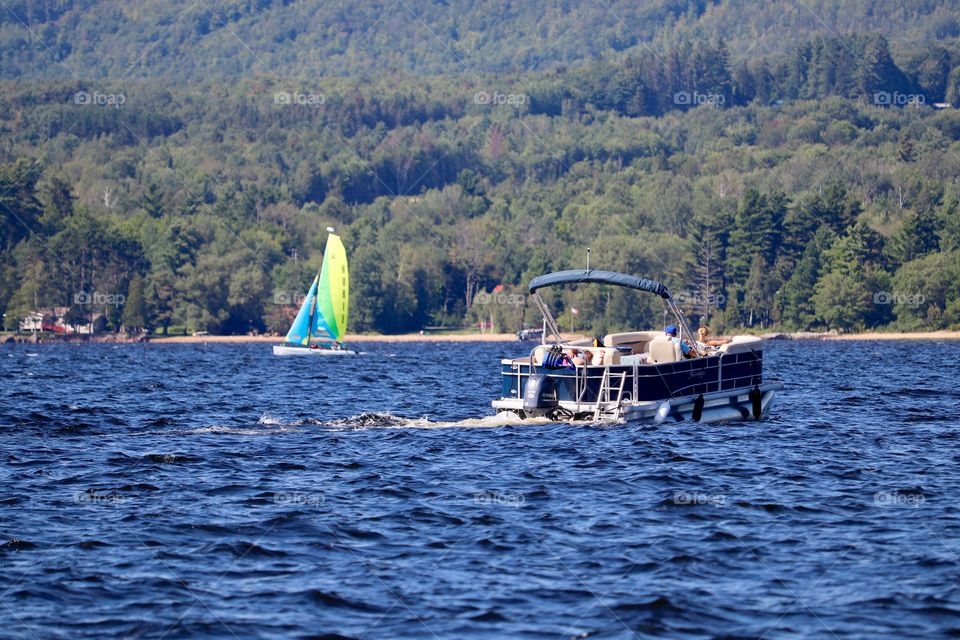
{"points": [[217, 491]]}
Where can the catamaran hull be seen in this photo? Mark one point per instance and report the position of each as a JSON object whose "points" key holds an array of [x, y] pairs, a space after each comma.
{"points": [[746, 404], [280, 350]]}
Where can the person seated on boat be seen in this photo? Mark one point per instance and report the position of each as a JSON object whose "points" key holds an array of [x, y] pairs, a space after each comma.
{"points": [[595, 357], [702, 344], [686, 350], [579, 357], [703, 337], [558, 358]]}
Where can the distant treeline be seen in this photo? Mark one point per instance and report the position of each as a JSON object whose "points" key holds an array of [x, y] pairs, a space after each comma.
{"points": [[200, 40], [811, 190]]}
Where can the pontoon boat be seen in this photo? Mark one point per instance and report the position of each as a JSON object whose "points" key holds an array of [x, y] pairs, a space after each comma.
{"points": [[637, 375]]}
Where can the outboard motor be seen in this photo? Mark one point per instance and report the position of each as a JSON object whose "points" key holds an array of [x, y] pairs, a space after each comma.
{"points": [[540, 395]]}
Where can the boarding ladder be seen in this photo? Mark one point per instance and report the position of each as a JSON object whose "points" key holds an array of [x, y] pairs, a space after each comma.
{"points": [[609, 383]]}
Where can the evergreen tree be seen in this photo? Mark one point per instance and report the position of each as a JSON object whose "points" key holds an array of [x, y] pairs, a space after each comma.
{"points": [[953, 88], [949, 225], [756, 234], [758, 293], [917, 237], [153, 201], [161, 300], [878, 72], [797, 293], [134, 307], [58, 203], [19, 206]]}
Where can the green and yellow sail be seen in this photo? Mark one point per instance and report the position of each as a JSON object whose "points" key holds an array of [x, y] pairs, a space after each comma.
{"points": [[333, 292], [323, 313]]}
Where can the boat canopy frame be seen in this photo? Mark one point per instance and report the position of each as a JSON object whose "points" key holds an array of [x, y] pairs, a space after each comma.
{"points": [[598, 276]]}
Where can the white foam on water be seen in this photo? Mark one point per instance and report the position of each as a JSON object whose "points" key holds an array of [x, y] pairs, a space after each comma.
{"points": [[390, 421], [268, 425], [243, 431], [507, 418]]}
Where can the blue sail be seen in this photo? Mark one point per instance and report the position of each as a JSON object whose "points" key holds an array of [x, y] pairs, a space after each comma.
{"points": [[320, 328], [300, 329]]}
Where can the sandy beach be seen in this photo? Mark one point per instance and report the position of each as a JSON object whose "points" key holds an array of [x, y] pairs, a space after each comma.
{"points": [[407, 337], [919, 335]]}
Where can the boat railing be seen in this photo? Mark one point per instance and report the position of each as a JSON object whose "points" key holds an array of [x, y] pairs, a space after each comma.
{"points": [[612, 390], [581, 387], [739, 382]]}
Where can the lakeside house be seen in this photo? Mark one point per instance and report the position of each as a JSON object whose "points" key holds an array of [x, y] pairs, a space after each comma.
{"points": [[54, 320]]}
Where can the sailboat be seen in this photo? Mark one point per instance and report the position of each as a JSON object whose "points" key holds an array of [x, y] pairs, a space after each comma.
{"points": [[321, 321]]}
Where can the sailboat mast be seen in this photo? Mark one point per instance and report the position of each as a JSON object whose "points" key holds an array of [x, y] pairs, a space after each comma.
{"points": [[316, 279], [313, 308]]}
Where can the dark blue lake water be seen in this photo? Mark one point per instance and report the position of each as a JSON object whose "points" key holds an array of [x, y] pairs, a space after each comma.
{"points": [[217, 491]]}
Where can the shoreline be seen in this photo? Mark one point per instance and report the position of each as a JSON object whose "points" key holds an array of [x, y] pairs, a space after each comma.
{"points": [[405, 337], [449, 337], [866, 335], [909, 335], [510, 337]]}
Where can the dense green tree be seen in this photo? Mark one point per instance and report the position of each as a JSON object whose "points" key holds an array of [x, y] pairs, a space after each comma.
{"points": [[925, 295], [841, 301], [20, 209], [952, 95], [134, 307], [918, 236], [753, 245], [796, 296], [153, 201]]}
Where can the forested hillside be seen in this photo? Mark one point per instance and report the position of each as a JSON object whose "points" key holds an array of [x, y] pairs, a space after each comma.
{"points": [[193, 40], [804, 182]]}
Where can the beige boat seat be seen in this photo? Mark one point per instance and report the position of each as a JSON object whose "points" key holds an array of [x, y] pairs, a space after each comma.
{"points": [[538, 354], [637, 341], [663, 349], [604, 355], [740, 344]]}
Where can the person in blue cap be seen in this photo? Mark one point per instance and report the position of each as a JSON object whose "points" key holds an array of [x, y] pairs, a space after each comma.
{"points": [[671, 331]]}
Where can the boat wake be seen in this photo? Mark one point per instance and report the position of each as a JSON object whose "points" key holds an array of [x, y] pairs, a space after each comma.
{"points": [[269, 425], [389, 421], [263, 428]]}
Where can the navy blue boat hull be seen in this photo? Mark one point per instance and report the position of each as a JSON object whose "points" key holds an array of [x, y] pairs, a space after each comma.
{"points": [[712, 374]]}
